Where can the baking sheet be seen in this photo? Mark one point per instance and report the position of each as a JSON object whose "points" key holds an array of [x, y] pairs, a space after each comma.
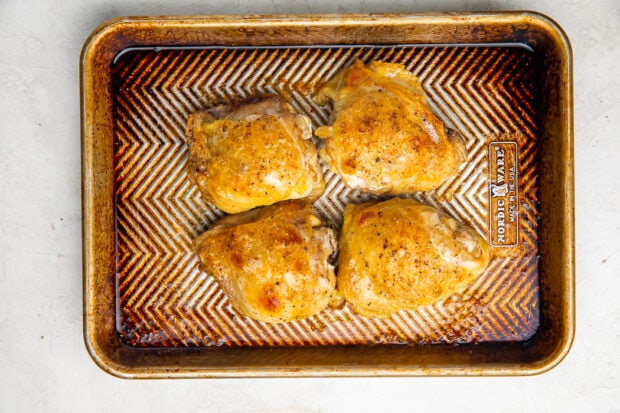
{"points": [[502, 79]]}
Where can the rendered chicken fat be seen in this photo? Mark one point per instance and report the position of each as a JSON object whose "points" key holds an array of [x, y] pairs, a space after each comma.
{"points": [[272, 262], [384, 138], [253, 153], [400, 254]]}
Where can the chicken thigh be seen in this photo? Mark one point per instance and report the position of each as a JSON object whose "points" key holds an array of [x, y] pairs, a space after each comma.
{"points": [[400, 254], [272, 262], [253, 153], [384, 138]]}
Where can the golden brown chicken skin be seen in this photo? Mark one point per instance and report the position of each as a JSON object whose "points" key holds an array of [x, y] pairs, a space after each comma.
{"points": [[384, 137], [253, 153], [400, 254], [272, 262]]}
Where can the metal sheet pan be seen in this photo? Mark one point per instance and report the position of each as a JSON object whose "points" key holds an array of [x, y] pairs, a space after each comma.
{"points": [[502, 79]]}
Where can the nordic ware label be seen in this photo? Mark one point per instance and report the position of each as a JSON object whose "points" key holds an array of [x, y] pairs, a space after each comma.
{"points": [[504, 194]]}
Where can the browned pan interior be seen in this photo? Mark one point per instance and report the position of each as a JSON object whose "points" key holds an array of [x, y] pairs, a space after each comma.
{"points": [[489, 94]]}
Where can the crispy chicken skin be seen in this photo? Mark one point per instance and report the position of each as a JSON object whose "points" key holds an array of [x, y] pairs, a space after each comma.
{"points": [[253, 153], [272, 262], [400, 254], [384, 138]]}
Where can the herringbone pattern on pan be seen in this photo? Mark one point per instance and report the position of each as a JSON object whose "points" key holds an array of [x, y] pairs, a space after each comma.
{"points": [[487, 93]]}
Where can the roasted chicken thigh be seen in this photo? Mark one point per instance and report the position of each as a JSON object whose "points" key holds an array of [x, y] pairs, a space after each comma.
{"points": [[272, 262], [400, 254], [253, 153], [384, 138]]}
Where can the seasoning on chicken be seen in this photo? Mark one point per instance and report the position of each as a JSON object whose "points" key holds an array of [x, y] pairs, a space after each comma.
{"points": [[272, 262], [384, 138], [253, 153], [400, 254]]}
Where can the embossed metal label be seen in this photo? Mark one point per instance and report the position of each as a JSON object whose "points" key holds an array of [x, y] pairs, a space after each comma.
{"points": [[504, 194]]}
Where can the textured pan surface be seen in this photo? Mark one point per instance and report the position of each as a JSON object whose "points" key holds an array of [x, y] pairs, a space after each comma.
{"points": [[489, 94]]}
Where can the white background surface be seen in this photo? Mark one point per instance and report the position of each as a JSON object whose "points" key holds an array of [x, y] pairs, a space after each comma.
{"points": [[43, 362]]}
